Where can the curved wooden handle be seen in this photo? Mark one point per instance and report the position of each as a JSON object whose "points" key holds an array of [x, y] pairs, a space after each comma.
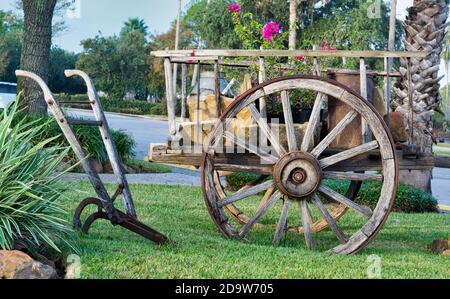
{"points": [[47, 93], [89, 84]]}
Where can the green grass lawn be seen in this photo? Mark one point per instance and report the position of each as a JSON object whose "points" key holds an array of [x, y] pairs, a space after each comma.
{"points": [[442, 149], [201, 252]]}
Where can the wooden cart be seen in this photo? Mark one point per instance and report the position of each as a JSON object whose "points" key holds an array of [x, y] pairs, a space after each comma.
{"points": [[296, 171]]}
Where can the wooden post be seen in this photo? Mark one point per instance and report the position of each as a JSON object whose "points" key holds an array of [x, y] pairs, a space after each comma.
{"points": [[316, 63], [261, 79], [389, 61], [411, 102], [170, 98], [363, 82], [292, 24], [177, 42], [183, 92], [197, 145], [217, 87]]}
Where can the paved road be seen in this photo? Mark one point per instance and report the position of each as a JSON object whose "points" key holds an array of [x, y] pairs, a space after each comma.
{"points": [[146, 131]]}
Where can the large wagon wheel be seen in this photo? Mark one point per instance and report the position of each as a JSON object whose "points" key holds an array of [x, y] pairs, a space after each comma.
{"points": [[298, 175]]}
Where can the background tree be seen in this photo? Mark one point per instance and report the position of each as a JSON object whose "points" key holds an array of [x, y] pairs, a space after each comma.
{"points": [[11, 30], [37, 40], [118, 64], [61, 60], [135, 25]]}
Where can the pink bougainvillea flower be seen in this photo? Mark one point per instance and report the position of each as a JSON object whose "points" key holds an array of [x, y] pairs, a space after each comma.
{"points": [[234, 8], [300, 58], [269, 30], [332, 48], [324, 43], [192, 55]]}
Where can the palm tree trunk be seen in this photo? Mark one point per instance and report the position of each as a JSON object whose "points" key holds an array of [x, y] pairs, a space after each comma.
{"points": [[425, 29], [37, 40]]}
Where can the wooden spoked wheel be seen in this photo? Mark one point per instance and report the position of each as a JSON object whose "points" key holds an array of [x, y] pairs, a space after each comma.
{"points": [[300, 173]]}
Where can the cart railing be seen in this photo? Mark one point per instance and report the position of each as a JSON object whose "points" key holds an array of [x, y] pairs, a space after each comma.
{"points": [[218, 58]]}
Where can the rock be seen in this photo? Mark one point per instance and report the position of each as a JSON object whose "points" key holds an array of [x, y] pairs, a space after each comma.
{"points": [[18, 265], [439, 246], [98, 166]]}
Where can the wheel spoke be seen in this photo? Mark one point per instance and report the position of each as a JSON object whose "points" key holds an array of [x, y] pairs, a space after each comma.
{"points": [[246, 193], [350, 153], [352, 176], [307, 231], [340, 127], [290, 130], [266, 197], [329, 219], [314, 121], [265, 129], [282, 223], [269, 204], [251, 148], [365, 211]]}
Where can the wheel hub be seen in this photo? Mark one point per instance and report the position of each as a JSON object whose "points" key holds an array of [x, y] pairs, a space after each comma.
{"points": [[297, 174]]}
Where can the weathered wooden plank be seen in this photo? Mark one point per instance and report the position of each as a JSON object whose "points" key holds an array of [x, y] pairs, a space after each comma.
{"points": [[365, 211], [170, 98], [442, 161], [183, 92], [288, 53]]}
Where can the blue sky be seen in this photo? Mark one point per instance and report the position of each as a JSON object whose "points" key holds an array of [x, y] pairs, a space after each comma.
{"points": [[108, 16]]}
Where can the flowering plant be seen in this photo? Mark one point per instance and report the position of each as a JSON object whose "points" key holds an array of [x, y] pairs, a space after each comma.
{"points": [[234, 8], [255, 35]]}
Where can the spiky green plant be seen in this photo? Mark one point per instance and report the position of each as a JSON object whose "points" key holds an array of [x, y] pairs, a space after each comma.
{"points": [[30, 213]]}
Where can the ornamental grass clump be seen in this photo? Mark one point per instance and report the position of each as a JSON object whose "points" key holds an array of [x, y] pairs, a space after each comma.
{"points": [[30, 194]]}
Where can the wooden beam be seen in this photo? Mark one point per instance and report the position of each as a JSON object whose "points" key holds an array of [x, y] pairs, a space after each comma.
{"points": [[288, 53]]}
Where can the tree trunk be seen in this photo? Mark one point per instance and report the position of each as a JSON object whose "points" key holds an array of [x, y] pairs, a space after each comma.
{"points": [[425, 29], [37, 40], [293, 25]]}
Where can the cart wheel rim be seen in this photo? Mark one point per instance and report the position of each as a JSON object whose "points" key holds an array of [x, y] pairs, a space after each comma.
{"points": [[383, 142]]}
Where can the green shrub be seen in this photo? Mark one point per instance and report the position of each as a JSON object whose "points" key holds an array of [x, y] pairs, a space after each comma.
{"points": [[136, 107], [158, 109], [238, 180], [408, 200], [88, 136], [30, 211]]}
